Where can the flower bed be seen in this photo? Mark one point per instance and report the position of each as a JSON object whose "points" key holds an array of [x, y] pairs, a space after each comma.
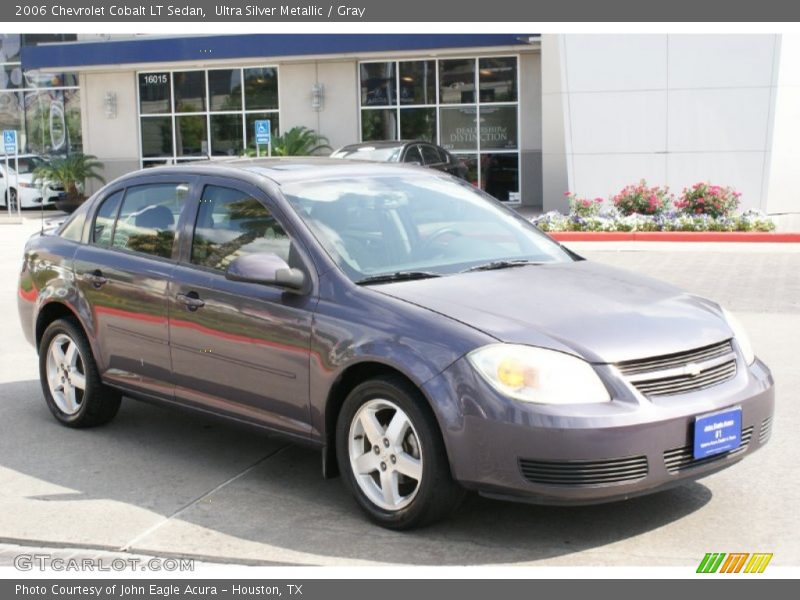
{"points": [[611, 219], [641, 208]]}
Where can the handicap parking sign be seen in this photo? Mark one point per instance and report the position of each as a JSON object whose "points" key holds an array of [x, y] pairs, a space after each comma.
{"points": [[10, 141], [263, 131]]}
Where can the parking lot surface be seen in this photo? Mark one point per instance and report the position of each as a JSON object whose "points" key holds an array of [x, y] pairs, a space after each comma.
{"points": [[161, 481]]}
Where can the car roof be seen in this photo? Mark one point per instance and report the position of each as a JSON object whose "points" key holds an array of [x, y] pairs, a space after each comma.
{"points": [[285, 170]]}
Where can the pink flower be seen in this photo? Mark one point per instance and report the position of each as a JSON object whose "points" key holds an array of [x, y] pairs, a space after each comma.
{"points": [[567, 193]]}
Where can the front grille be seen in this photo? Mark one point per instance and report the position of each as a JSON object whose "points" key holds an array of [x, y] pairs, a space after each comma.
{"points": [[584, 472], [682, 372], [680, 459], [682, 384], [765, 430], [679, 359]]}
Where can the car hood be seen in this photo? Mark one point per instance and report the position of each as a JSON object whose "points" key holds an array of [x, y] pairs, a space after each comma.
{"points": [[601, 313]]}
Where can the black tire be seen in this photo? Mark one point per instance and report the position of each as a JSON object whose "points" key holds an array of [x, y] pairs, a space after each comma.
{"points": [[98, 403], [13, 193], [437, 495]]}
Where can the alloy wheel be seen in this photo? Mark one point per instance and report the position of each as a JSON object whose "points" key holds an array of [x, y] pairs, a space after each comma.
{"points": [[66, 376], [385, 454]]}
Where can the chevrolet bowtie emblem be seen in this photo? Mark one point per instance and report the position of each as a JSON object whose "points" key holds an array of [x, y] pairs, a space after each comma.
{"points": [[692, 369]]}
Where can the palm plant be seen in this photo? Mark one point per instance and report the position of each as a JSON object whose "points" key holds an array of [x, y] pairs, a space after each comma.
{"points": [[299, 141], [71, 172]]}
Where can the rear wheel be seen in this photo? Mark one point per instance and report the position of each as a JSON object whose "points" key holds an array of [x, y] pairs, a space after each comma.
{"points": [[392, 457], [70, 381]]}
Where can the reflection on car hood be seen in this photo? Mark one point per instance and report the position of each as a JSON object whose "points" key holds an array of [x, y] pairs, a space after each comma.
{"points": [[601, 313]]}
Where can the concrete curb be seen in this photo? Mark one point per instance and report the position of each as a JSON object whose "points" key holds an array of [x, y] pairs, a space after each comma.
{"points": [[675, 236]]}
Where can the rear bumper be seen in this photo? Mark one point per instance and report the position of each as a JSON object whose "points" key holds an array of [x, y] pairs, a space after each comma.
{"points": [[587, 454]]}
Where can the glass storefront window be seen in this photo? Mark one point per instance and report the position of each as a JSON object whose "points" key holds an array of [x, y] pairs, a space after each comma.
{"points": [[11, 111], [190, 91], [226, 135], [418, 82], [11, 77], [470, 161], [154, 93], [459, 129], [498, 128], [260, 88], [457, 81], [156, 136], [468, 106], [378, 82], [500, 175], [72, 118], [250, 127], [191, 138], [45, 122], [213, 112], [418, 124], [43, 107], [498, 79], [378, 125], [225, 89]]}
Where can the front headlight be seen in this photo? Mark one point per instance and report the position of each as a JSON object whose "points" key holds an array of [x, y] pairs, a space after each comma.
{"points": [[538, 375], [741, 337], [25, 184]]}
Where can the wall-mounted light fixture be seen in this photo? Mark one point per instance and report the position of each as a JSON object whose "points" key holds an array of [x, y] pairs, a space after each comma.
{"points": [[317, 96], [110, 105]]}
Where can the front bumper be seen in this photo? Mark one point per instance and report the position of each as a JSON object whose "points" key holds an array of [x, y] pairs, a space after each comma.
{"points": [[590, 453]]}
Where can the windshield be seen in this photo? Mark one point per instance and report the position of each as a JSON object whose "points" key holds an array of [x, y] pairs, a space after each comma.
{"points": [[411, 222], [383, 154]]}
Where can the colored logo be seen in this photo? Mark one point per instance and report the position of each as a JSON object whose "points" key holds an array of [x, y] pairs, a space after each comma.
{"points": [[734, 562]]}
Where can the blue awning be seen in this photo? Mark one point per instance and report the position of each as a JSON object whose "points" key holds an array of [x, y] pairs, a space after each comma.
{"points": [[176, 49]]}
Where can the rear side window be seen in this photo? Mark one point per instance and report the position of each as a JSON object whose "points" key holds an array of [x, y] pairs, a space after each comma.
{"points": [[104, 220], [430, 155], [231, 223], [73, 228], [413, 155], [148, 218]]}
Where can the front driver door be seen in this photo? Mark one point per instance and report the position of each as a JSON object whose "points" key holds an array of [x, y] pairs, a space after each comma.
{"points": [[239, 348]]}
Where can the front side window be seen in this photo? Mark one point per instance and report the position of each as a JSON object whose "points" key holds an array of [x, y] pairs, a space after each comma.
{"points": [[373, 226], [148, 218], [230, 224]]}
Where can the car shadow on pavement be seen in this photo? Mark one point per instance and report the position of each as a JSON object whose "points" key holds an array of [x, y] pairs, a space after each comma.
{"points": [[265, 497]]}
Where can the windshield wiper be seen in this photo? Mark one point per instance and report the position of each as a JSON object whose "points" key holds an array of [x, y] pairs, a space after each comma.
{"points": [[397, 276], [501, 264]]}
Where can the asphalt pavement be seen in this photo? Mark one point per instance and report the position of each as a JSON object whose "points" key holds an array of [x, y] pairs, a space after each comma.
{"points": [[165, 482]]}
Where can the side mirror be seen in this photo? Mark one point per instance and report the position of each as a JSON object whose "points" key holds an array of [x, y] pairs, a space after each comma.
{"points": [[266, 269]]}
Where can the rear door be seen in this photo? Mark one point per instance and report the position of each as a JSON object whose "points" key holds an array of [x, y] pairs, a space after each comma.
{"points": [[240, 348], [123, 272]]}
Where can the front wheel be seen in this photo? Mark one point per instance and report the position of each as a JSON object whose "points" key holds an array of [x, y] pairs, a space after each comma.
{"points": [[11, 199], [71, 384], [392, 457]]}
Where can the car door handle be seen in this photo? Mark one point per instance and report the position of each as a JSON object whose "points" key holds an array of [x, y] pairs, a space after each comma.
{"points": [[191, 300], [95, 278]]}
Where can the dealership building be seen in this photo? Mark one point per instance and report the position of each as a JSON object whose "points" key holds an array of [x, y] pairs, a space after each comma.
{"points": [[530, 116]]}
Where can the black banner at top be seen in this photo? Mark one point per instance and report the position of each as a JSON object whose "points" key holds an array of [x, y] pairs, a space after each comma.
{"points": [[474, 11]]}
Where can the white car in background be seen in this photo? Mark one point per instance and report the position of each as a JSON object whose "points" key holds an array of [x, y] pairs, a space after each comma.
{"points": [[20, 185]]}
